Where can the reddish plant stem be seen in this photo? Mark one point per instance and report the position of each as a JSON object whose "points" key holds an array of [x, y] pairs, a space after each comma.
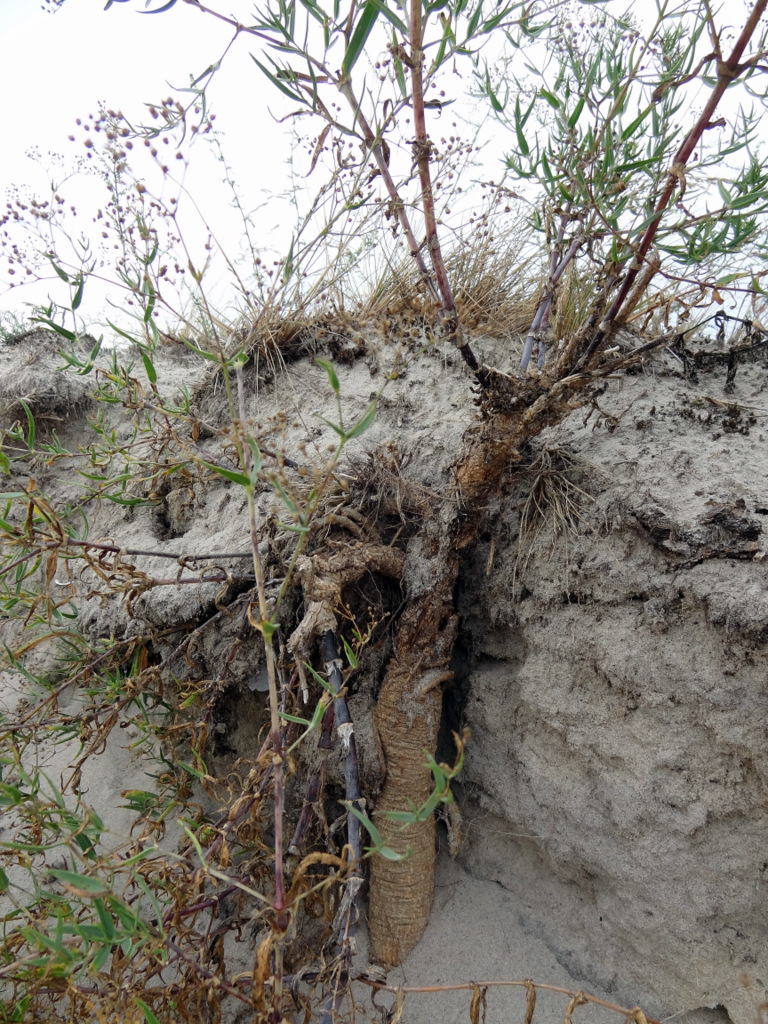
{"points": [[422, 153], [727, 72], [345, 88]]}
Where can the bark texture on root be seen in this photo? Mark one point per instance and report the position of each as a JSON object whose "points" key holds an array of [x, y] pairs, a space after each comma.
{"points": [[407, 715], [407, 718]]}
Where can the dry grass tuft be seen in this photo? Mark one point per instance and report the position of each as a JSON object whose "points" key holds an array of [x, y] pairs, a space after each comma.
{"points": [[494, 284]]}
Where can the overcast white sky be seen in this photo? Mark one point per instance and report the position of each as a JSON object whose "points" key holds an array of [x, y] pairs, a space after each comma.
{"points": [[58, 66]]}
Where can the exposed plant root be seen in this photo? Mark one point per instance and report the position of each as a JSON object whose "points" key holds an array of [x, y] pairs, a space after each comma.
{"points": [[407, 714], [407, 719]]}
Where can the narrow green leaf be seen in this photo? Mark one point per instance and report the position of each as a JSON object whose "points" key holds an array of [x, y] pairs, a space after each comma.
{"points": [[551, 99], [278, 84], [740, 202], [402, 817], [154, 901], [393, 18], [123, 334], [351, 659], [389, 854], [576, 113], [360, 36], [149, 367], [447, 38], [311, 7], [546, 168], [228, 474], [519, 124], [730, 278], [4, 883], [630, 130], [256, 454], [100, 958], [149, 1017], [399, 71], [152, 295], [31, 432], [368, 825], [61, 272], [333, 380], [474, 21], [69, 335], [294, 718], [82, 882], [497, 106], [363, 423], [78, 297], [106, 919], [334, 426]]}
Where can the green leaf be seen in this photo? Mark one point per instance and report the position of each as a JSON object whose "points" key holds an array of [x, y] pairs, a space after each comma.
{"points": [[333, 380], [149, 367], [334, 426], [360, 36], [546, 168], [78, 297], [83, 882], [69, 335], [106, 919], [497, 106], [551, 99], [31, 433], [152, 295], [154, 901], [296, 96], [368, 825], [351, 659], [62, 273], [474, 21], [725, 195], [4, 883], [228, 474], [256, 454], [100, 958], [123, 334], [630, 130], [399, 70], [740, 202], [730, 278], [576, 112], [403, 817], [520, 120], [294, 718], [311, 7], [393, 18], [363, 423], [268, 629], [389, 854], [19, 1012], [149, 1017]]}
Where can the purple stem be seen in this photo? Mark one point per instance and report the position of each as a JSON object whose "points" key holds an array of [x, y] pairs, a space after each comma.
{"points": [[541, 317]]}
